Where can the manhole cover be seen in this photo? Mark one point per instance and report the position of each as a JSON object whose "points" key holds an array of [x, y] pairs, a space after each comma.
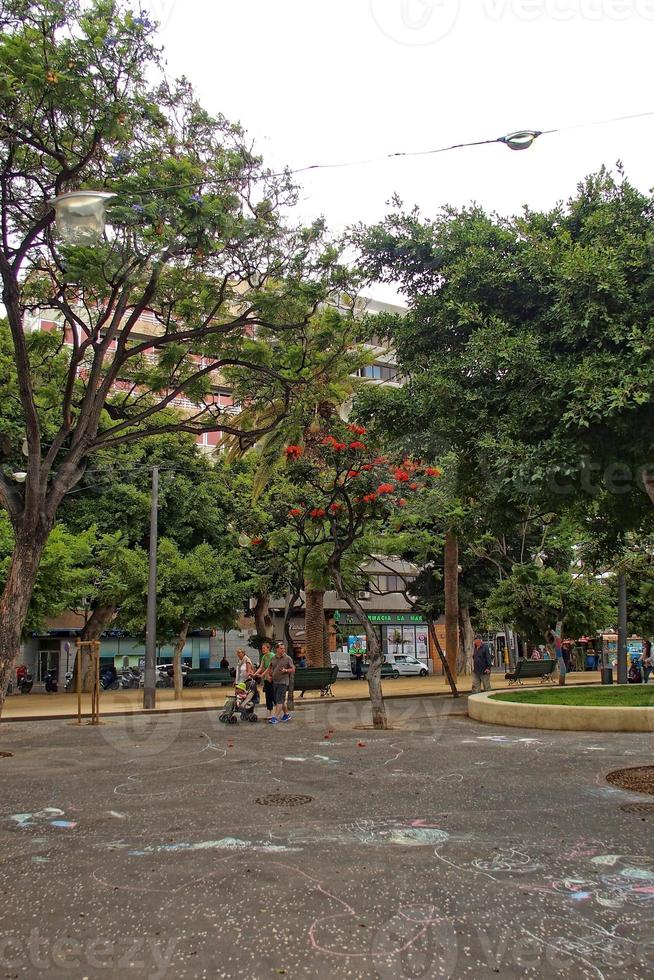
{"points": [[637, 807], [278, 799], [640, 779], [6, 755]]}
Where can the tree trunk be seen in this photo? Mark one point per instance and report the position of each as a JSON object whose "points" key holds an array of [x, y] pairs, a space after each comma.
{"points": [[451, 599], [15, 600], [314, 626], [262, 618], [326, 652], [443, 659], [468, 635], [98, 622], [180, 643], [291, 603], [379, 717]]}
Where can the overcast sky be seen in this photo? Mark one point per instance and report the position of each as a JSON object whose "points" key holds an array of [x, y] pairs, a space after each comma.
{"points": [[331, 80]]}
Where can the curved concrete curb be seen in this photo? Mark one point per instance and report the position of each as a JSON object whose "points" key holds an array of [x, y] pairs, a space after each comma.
{"points": [[562, 717]]}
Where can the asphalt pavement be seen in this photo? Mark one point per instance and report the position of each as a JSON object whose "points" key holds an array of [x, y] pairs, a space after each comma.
{"points": [[174, 846]]}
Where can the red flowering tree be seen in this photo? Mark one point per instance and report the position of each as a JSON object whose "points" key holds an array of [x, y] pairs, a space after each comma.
{"points": [[349, 495]]}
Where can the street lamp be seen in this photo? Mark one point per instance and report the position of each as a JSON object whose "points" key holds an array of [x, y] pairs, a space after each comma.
{"points": [[521, 140], [81, 215]]}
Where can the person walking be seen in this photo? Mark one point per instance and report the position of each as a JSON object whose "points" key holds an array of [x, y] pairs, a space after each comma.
{"points": [[281, 669], [482, 661], [648, 660], [263, 671], [358, 663], [244, 668]]}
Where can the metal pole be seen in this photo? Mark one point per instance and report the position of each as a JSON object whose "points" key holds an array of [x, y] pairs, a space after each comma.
{"points": [[622, 628], [149, 681]]}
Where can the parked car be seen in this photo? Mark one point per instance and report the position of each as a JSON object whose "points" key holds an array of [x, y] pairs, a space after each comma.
{"points": [[388, 670], [408, 666]]}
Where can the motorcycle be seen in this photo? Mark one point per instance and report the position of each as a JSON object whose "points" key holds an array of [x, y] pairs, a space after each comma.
{"points": [[109, 679], [129, 679], [70, 682], [24, 681], [51, 681]]}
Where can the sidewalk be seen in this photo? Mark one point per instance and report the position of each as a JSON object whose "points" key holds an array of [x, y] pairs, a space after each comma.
{"points": [[37, 707]]}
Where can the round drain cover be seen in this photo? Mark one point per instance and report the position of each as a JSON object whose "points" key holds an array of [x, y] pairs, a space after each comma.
{"points": [[640, 779], [279, 799], [637, 807]]}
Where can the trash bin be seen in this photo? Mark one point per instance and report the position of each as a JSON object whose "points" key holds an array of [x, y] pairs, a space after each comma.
{"points": [[607, 675], [590, 661]]}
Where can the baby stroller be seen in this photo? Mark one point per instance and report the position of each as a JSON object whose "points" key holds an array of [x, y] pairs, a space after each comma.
{"points": [[242, 702]]}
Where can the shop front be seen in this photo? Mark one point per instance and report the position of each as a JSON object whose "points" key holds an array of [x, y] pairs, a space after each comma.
{"points": [[400, 633]]}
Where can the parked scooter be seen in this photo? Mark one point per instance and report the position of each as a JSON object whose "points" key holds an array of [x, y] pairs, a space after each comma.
{"points": [[109, 679], [24, 680], [70, 682], [51, 681], [129, 678]]}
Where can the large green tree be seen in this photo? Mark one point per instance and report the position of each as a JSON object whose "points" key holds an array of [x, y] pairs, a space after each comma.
{"points": [[528, 344], [198, 240]]}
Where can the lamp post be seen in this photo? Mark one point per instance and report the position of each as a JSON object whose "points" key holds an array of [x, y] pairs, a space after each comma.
{"points": [[149, 680], [81, 215]]}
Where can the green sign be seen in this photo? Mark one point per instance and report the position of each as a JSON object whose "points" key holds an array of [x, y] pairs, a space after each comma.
{"points": [[380, 617]]}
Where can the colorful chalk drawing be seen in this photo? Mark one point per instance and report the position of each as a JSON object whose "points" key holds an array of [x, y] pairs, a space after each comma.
{"points": [[374, 833], [630, 882], [224, 844], [50, 814], [507, 859]]}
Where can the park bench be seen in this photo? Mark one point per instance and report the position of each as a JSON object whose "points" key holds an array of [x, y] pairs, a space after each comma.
{"points": [[210, 678], [315, 679], [526, 669]]}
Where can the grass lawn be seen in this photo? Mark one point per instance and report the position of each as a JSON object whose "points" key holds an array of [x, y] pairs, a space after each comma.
{"points": [[613, 696]]}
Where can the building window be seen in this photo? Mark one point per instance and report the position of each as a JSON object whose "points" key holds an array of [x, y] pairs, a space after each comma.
{"points": [[379, 372]]}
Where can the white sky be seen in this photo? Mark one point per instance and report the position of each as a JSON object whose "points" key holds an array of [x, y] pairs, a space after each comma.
{"points": [[332, 80]]}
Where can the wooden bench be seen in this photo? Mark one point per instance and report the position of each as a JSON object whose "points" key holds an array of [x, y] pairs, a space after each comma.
{"points": [[315, 679], [543, 669], [210, 678]]}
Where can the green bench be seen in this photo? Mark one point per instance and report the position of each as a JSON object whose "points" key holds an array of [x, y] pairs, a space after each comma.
{"points": [[315, 679], [525, 669], [210, 678], [388, 670]]}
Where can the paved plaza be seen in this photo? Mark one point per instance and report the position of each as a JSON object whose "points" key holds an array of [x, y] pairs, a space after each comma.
{"points": [[173, 846]]}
